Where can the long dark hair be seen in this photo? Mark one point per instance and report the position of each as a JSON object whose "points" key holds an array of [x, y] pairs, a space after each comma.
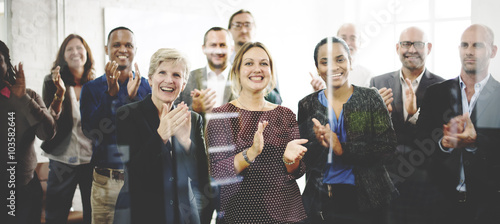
{"points": [[4, 50], [88, 68]]}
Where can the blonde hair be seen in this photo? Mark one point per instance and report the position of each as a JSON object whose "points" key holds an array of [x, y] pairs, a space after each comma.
{"points": [[235, 69], [170, 55]]}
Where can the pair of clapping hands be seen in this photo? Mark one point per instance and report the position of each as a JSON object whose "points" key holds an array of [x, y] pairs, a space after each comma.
{"points": [[459, 132]]}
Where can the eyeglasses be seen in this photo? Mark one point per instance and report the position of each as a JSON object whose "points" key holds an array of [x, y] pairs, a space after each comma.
{"points": [[238, 26], [416, 44]]}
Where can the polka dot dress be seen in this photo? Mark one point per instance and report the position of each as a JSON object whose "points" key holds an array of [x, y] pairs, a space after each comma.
{"points": [[264, 192]]}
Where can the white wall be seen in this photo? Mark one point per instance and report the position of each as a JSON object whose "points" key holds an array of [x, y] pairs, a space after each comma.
{"points": [[486, 12]]}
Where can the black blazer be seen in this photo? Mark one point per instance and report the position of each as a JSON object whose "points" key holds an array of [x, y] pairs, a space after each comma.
{"points": [[442, 102], [157, 180], [405, 131]]}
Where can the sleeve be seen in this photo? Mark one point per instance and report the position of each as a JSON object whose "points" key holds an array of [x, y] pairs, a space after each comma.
{"points": [[378, 142], [98, 108], [221, 147], [295, 134], [316, 153], [372, 82], [48, 91], [33, 108], [274, 96], [96, 111]]}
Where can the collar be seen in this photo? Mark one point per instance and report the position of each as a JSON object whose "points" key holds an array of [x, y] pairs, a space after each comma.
{"points": [[224, 73], [419, 77], [478, 86], [5, 92]]}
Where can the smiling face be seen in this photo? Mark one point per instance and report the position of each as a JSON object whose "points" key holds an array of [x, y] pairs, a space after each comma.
{"points": [[121, 48], [75, 54], [413, 58], [338, 58], [255, 71], [167, 82], [216, 48]]}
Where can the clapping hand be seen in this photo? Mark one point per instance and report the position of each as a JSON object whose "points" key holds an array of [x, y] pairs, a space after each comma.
{"points": [[176, 122], [19, 88], [133, 83], [387, 97], [112, 75], [203, 100], [58, 82], [294, 150], [326, 137], [459, 132]]}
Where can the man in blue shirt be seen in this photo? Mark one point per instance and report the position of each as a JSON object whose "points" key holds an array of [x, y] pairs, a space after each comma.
{"points": [[99, 101]]}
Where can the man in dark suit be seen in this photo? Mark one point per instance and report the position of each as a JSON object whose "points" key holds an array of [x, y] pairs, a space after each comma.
{"points": [[403, 91], [465, 153]]}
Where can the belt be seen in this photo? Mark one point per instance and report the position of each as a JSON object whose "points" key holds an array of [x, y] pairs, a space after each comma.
{"points": [[461, 196], [116, 174]]}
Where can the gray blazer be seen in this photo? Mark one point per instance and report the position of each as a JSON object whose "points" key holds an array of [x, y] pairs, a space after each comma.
{"points": [[198, 80], [405, 130]]}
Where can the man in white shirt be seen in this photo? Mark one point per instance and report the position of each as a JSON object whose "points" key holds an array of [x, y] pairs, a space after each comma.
{"points": [[209, 87], [359, 75]]}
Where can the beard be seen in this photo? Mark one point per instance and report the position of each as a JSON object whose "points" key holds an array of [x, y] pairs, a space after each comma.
{"points": [[216, 66]]}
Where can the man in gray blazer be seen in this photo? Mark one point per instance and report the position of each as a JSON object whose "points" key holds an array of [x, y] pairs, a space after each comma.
{"points": [[209, 87], [403, 92]]}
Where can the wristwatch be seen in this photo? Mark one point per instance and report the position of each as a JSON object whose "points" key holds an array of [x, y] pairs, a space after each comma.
{"points": [[246, 157]]}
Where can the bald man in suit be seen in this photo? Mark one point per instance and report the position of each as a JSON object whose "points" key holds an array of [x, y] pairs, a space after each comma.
{"points": [[403, 91]]}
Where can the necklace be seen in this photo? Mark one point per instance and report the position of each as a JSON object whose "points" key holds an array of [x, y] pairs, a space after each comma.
{"points": [[261, 109]]}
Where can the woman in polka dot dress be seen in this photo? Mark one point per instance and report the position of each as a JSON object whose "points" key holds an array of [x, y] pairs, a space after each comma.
{"points": [[254, 146]]}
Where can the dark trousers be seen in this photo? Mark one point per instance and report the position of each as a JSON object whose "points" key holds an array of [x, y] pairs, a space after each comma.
{"points": [[482, 211], [28, 203], [61, 187], [342, 208]]}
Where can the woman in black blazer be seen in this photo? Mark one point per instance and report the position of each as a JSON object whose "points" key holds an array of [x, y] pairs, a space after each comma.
{"points": [[165, 147]]}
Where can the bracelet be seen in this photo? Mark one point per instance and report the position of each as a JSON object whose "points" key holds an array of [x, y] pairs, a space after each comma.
{"points": [[246, 157], [57, 98], [288, 163]]}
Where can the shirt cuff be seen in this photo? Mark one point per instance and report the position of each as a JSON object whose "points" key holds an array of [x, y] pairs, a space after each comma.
{"points": [[444, 149], [413, 119]]}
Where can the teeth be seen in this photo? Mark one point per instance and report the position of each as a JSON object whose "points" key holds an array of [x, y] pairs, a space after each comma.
{"points": [[337, 75], [256, 78], [167, 89], [122, 57]]}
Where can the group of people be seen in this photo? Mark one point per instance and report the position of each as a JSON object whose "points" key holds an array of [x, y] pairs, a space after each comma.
{"points": [[178, 145]]}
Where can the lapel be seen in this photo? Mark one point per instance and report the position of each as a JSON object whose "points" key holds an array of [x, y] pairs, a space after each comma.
{"points": [[150, 113], [425, 82], [395, 85], [485, 99], [456, 98], [201, 79], [228, 94]]}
